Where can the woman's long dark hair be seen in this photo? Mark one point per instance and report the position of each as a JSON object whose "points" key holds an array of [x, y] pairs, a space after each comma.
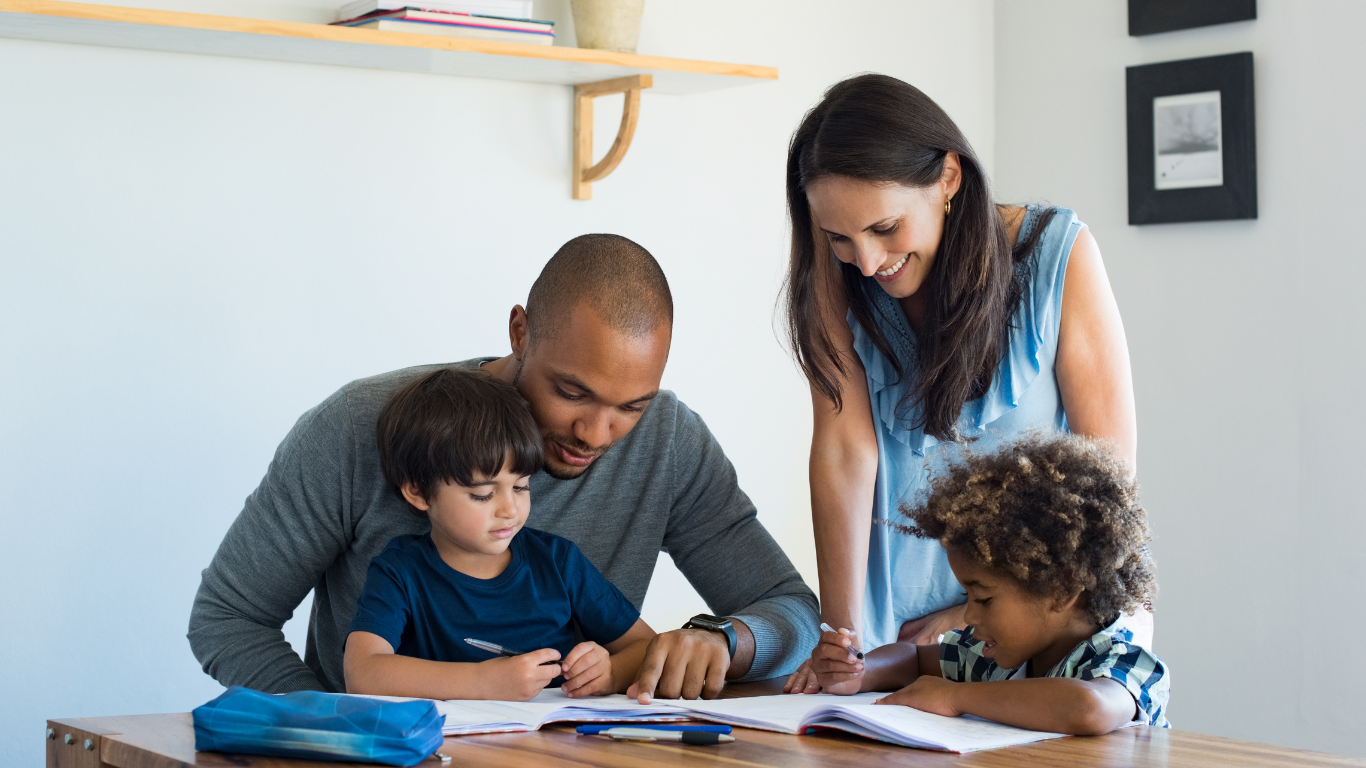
{"points": [[880, 129]]}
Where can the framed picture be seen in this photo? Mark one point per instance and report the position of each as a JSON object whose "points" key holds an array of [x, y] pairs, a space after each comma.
{"points": [[1192, 142], [1149, 17]]}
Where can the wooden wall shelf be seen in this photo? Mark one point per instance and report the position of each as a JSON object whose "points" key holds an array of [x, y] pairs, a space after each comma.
{"points": [[324, 44], [592, 72]]}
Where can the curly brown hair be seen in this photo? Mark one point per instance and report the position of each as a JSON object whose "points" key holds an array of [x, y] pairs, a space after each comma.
{"points": [[1057, 513]]}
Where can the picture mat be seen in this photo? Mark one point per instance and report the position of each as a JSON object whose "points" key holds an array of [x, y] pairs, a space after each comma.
{"points": [[1188, 141]]}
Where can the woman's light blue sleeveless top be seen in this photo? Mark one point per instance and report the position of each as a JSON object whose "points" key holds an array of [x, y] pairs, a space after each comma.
{"points": [[910, 577]]}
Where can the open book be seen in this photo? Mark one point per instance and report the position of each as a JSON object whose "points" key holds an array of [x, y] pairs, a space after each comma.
{"points": [[858, 715], [794, 713], [464, 716]]}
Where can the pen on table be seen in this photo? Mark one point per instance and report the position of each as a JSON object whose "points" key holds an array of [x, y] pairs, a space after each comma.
{"points": [[697, 738], [500, 650], [590, 730], [827, 628]]}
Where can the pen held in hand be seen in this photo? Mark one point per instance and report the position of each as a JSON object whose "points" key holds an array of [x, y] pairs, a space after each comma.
{"points": [[497, 649], [827, 628]]}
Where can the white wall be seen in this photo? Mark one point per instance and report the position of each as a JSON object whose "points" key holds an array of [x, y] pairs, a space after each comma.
{"points": [[1246, 344], [194, 250]]}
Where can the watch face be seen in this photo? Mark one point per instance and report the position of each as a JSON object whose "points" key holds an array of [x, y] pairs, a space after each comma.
{"points": [[707, 621]]}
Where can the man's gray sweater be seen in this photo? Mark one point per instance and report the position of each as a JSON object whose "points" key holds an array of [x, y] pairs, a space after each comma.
{"points": [[324, 510]]}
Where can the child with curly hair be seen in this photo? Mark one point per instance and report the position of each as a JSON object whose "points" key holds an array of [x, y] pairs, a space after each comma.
{"points": [[1047, 538]]}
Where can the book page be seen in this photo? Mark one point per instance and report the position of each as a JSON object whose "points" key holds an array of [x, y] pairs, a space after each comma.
{"points": [[911, 727], [781, 712]]}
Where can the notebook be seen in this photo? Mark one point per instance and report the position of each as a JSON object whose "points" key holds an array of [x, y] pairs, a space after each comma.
{"points": [[793, 714], [858, 715], [467, 716]]}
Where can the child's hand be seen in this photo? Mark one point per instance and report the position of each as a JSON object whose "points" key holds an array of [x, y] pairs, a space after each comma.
{"points": [[927, 694], [587, 671], [518, 678], [838, 669]]}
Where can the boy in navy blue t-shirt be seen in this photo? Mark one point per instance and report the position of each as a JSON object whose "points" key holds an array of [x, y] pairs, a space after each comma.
{"points": [[460, 447]]}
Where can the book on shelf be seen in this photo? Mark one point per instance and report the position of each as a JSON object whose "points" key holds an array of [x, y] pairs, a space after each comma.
{"points": [[455, 19], [458, 30], [512, 9], [786, 713]]}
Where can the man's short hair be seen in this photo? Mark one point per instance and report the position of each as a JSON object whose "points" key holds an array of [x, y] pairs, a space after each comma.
{"points": [[619, 280], [449, 424]]}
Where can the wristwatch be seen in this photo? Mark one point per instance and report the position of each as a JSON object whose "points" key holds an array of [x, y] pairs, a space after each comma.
{"points": [[714, 624]]}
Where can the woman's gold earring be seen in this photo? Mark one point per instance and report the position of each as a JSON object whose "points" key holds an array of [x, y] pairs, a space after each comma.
{"points": [[948, 206]]}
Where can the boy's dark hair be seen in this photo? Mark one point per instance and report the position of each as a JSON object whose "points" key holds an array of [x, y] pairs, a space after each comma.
{"points": [[449, 424], [1056, 513]]}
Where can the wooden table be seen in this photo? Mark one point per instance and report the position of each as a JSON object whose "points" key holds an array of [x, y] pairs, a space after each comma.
{"points": [[167, 741]]}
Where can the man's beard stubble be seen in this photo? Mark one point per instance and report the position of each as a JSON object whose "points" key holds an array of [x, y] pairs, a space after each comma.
{"points": [[549, 441]]}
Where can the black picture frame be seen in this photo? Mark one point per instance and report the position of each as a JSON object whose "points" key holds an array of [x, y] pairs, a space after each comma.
{"points": [[1234, 196], [1151, 17]]}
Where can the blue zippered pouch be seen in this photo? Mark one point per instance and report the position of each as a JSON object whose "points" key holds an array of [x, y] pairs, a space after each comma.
{"points": [[320, 726]]}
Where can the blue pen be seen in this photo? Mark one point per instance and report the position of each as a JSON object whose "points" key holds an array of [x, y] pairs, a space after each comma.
{"points": [[589, 730]]}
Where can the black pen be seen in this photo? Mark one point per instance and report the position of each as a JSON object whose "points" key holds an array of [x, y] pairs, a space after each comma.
{"points": [[494, 648], [829, 628], [500, 650]]}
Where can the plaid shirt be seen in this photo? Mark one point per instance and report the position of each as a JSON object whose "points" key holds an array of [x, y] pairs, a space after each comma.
{"points": [[1108, 653]]}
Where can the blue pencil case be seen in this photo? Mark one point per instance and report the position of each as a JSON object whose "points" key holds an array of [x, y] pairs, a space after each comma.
{"points": [[320, 726]]}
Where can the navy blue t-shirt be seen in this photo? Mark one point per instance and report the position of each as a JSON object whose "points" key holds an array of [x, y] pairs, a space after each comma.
{"points": [[424, 608]]}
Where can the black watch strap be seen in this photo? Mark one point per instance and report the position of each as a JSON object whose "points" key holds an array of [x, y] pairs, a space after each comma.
{"points": [[715, 624]]}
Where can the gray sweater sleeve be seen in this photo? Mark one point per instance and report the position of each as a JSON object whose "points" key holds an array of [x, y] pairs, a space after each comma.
{"points": [[715, 538], [293, 526]]}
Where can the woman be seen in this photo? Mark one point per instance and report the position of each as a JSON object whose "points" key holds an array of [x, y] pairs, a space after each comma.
{"points": [[942, 319]]}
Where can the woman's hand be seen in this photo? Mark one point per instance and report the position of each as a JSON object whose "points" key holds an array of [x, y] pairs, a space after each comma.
{"points": [[837, 667], [927, 629], [927, 694], [587, 671]]}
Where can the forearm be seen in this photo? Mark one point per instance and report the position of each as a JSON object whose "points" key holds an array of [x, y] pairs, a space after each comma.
{"points": [[774, 635], [843, 475], [897, 665], [1058, 705], [235, 648], [393, 675], [626, 663], [236, 651], [743, 660]]}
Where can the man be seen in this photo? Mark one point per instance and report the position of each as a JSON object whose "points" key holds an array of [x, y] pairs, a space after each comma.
{"points": [[630, 471]]}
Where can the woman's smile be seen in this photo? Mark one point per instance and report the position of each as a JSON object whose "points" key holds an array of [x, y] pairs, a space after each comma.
{"points": [[892, 272]]}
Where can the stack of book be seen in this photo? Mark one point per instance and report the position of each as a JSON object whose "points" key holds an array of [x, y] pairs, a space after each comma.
{"points": [[504, 20]]}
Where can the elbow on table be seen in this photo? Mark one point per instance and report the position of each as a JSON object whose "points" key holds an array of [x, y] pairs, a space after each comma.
{"points": [[1091, 714]]}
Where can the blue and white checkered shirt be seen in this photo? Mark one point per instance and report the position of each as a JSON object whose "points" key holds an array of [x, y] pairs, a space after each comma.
{"points": [[1110, 653]]}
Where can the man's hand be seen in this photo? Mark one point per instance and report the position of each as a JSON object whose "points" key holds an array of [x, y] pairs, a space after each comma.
{"points": [[683, 663], [519, 678], [587, 671], [927, 629], [927, 694], [803, 680]]}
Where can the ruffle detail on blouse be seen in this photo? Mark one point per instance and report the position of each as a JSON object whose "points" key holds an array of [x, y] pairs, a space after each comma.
{"points": [[1033, 341]]}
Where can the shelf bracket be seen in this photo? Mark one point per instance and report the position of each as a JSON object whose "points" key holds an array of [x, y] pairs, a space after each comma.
{"points": [[585, 173]]}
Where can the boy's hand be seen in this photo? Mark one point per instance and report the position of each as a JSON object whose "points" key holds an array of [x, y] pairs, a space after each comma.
{"points": [[518, 678], [837, 668], [587, 671], [927, 694]]}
